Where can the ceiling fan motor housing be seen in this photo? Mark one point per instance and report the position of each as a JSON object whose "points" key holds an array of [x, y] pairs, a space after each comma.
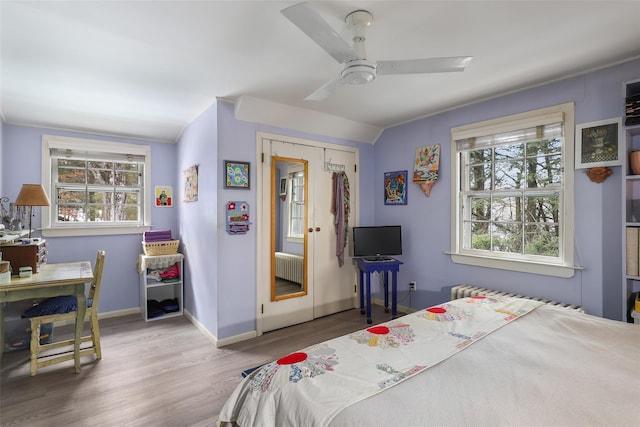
{"points": [[358, 72]]}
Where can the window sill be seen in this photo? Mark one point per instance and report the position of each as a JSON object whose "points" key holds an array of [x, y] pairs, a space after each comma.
{"points": [[94, 231], [563, 271]]}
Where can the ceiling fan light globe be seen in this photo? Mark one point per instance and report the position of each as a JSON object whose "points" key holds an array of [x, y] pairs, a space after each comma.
{"points": [[358, 74]]}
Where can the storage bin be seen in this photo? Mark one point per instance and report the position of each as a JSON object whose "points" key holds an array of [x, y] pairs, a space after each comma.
{"points": [[168, 247]]}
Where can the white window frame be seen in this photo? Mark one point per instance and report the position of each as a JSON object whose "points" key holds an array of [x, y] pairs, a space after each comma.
{"points": [[50, 228], [563, 265], [292, 170]]}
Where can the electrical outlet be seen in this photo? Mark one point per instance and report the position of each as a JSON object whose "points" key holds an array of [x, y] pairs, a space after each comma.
{"points": [[412, 285]]}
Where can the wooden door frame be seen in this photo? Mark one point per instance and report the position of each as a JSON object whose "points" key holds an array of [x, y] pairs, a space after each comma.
{"points": [[262, 266]]}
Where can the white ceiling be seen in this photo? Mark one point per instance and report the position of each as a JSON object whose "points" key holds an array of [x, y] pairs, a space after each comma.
{"points": [[146, 69]]}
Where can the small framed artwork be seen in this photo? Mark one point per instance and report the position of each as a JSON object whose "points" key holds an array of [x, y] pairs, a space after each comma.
{"points": [[395, 188], [598, 144], [164, 196], [191, 184], [283, 186], [236, 174]]}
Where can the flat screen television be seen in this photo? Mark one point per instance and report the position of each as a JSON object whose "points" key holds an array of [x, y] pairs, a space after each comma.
{"points": [[377, 243]]}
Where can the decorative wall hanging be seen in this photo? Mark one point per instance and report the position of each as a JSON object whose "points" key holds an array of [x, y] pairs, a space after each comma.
{"points": [[395, 188], [236, 174], [425, 170], [238, 217], [191, 184], [598, 147], [164, 196]]}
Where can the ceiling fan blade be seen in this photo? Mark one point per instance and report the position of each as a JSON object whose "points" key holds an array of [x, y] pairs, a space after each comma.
{"points": [[426, 65], [312, 24], [324, 91]]}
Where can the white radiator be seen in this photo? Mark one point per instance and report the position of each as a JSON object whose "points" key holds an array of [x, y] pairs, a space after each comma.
{"points": [[290, 267], [463, 291]]}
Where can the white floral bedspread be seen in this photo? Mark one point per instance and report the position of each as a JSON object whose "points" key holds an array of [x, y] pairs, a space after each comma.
{"points": [[311, 386]]}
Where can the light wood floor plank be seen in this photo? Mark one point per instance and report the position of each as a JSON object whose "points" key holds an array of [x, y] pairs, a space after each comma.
{"points": [[161, 373]]}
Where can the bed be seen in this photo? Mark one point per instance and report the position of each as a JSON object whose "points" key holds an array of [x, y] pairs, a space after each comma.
{"points": [[482, 360]]}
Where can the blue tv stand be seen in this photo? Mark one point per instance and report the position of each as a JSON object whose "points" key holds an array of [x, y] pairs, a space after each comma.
{"points": [[368, 265]]}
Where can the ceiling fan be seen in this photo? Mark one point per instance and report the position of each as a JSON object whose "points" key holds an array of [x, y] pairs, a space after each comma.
{"points": [[356, 68]]}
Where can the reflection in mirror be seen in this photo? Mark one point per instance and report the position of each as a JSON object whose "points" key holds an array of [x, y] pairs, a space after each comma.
{"points": [[288, 228]]}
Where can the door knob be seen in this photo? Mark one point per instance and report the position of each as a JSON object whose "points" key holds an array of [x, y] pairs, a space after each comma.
{"points": [[310, 230], [317, 228]]}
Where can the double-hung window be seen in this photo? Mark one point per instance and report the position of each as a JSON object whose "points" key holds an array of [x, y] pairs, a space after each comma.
{"points": [[296, 208], [512, 194], [95, 187]]}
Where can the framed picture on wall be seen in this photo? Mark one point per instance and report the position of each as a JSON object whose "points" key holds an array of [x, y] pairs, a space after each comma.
{"points": [[283, 186], [395, 188], [598, 144], [236, 174]]}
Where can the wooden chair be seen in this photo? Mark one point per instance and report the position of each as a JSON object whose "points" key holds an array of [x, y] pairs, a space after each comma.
{"points": [[69, 313]]}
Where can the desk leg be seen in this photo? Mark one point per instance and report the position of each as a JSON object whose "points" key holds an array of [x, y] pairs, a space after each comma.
{"points": [[394, 295], [82, 311], [385, 277], [369, 298], [361, 292]]}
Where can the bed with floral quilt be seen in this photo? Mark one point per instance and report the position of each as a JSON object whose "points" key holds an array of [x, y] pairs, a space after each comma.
{"points": [[483, 360]]}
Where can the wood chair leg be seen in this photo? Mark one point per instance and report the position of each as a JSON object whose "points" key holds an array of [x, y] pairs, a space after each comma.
{"points": [[35, 346], [95, 334]]}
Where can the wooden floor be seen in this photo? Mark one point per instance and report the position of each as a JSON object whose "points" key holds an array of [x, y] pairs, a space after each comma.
{"points": [[161, 373]]}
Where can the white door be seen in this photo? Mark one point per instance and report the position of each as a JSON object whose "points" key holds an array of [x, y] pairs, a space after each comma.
{"points": [[328, 288], [297, 307], [334, 286]]}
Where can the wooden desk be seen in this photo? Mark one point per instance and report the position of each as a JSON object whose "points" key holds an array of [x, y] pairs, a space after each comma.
{"points": [[52, 280], [367, 267]]}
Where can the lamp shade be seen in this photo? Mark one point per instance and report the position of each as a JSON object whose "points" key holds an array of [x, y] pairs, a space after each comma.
{"points": [[32, 195]]}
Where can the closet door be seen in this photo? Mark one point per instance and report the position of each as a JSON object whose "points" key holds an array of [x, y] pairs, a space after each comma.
{"points": [[334, 286], [328, 288], [295, 305]]}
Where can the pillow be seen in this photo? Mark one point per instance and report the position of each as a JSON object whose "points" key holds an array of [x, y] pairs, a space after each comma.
{"points": [[53, 305]]}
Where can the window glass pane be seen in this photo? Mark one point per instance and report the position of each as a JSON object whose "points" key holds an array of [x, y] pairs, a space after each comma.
{"points": [[509, 152], [544, 147], [542, 240], [99, 176], [509, 175], [480, 177], [67, 213], [544, 171], [506, 208], [542, 209], [71, 171], [480, 208], [480, 236], [127, 178], [507, 237], [71, 196]]}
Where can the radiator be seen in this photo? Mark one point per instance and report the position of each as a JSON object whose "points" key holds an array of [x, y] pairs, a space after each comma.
{"points": [[462, 291], [290, 267]]}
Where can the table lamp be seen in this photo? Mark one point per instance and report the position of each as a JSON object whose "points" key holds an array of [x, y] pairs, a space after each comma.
{"points": [[32, 195]]}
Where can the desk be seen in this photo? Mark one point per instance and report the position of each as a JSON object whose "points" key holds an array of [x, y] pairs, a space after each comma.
{"points": [[368, 267], [52, 280]]}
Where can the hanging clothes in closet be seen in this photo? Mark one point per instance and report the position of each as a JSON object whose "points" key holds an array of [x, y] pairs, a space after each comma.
{"points": [[340, 208]]}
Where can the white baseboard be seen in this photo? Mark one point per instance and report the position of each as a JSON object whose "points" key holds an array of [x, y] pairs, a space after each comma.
{"points": [[224, 341]]}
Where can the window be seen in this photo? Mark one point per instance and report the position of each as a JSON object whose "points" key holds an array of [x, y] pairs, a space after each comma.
{"points": [[95, 187], [512, 198], [296, 203]]}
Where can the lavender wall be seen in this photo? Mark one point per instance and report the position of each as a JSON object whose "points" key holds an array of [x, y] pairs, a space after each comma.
{"points": [[237, 275], [426, 220], [198, 221], [21, 163]]}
